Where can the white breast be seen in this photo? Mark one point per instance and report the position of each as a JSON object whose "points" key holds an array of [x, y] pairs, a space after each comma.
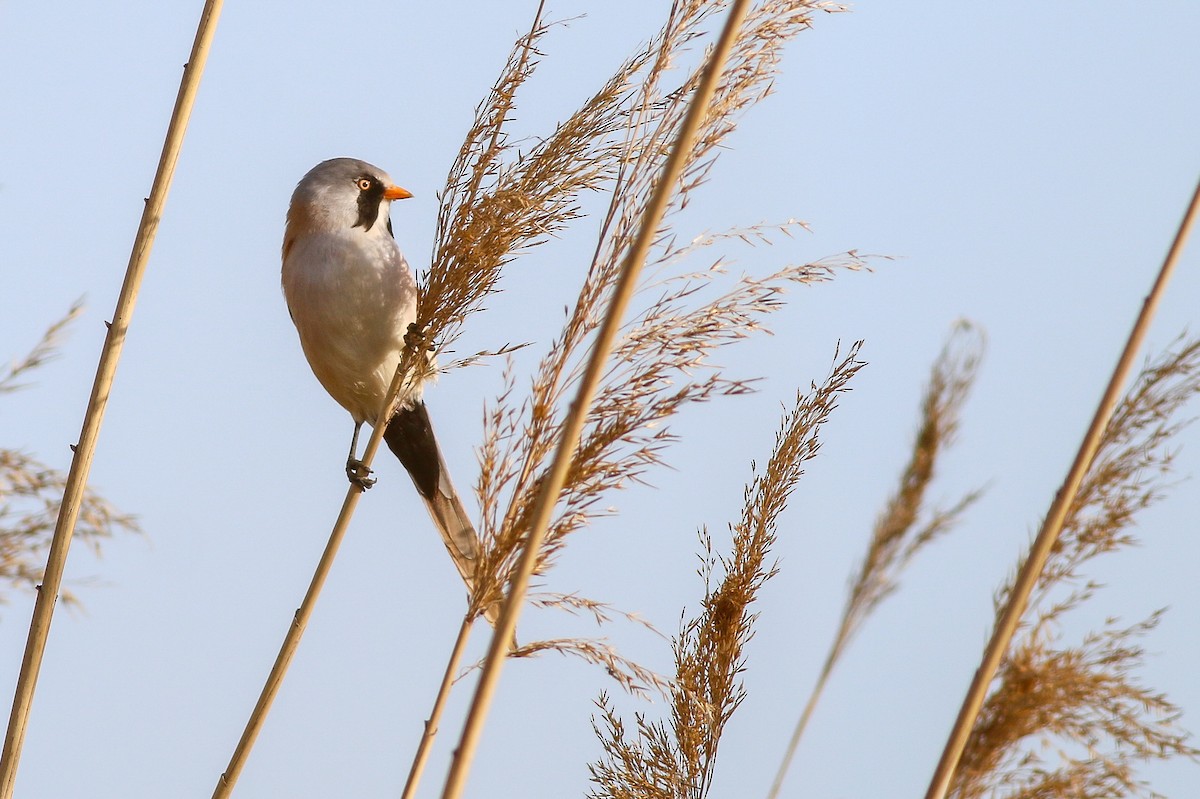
{"points": [[352, 296]]}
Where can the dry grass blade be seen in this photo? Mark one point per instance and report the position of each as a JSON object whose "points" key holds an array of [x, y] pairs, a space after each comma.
{"points": [[676, 759], [905, 525], [45, 350], [1083, 699]]}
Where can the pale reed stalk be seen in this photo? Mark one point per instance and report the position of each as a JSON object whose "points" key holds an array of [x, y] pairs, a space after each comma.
{"points": [[421, 757], [439, 704], [85, 448], [506, 626], [1052, 526], [291, 641], [806, 715], [411, 371], [899, 532]]}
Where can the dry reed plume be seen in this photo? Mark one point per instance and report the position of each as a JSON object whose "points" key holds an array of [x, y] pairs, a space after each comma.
{"points": [[1082, 700], [676, 758], [661, 362], [905, 524], [31, 492], [43, 352], [499, 201]]}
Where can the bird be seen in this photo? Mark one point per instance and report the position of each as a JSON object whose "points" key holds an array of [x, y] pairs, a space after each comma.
{"points": [[353, 300]]}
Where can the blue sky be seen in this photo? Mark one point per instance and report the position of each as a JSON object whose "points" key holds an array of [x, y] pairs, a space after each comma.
{"points": [[1025, 163]]}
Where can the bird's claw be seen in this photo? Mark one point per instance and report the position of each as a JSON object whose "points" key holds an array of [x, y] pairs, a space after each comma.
{"points": [[416, 338], [358, 474]]}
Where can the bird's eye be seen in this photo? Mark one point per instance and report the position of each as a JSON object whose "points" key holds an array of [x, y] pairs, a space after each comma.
{"points": [[364, 183]]}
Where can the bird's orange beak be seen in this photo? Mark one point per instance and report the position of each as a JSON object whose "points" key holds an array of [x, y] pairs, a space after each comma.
{"points": [[396, 193]]}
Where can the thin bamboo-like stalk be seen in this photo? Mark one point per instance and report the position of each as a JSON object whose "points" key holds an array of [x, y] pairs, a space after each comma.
{"points": [[291, 641], [421, 757], [1052, 526], [85, 449], [435, 715], [809, 706], [506, 625]]}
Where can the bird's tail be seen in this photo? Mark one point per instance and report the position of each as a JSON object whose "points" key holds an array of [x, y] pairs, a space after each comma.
{"points": [[410, 436]]}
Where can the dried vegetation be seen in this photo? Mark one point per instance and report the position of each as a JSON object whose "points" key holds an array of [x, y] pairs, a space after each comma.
{"points": [[501, 200], [31, 492]]}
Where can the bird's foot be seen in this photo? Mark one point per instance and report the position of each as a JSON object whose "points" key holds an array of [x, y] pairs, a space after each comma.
{"points": [[417, 338], [358, 474]]}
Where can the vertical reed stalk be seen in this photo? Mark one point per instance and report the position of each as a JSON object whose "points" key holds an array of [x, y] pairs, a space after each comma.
{"points": [[435, 715], [85, 449], [1052, 526], [291, 641], [505, 627], [905, 525], [802, 724]]}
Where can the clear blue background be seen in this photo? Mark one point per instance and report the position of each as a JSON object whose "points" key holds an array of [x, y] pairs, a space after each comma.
{"points": [[1027, 162]]}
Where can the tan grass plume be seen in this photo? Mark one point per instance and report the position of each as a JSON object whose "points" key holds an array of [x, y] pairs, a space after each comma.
{"points": [[906, 524], [676, 758]]}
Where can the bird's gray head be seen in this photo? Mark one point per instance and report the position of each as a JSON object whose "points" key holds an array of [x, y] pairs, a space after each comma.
{"points": [[344, 193]]}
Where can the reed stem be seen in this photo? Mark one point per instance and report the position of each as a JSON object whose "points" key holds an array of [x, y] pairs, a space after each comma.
{"points": [[1027, 579], [505, 627], [435, 715], [291, 641], [811, 705], [110, 355]]}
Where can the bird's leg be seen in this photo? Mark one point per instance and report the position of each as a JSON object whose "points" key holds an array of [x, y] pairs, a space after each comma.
{"points": [[356, 470]]}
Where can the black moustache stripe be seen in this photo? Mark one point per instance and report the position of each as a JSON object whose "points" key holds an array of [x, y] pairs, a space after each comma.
{"points": [[368, 205]]}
